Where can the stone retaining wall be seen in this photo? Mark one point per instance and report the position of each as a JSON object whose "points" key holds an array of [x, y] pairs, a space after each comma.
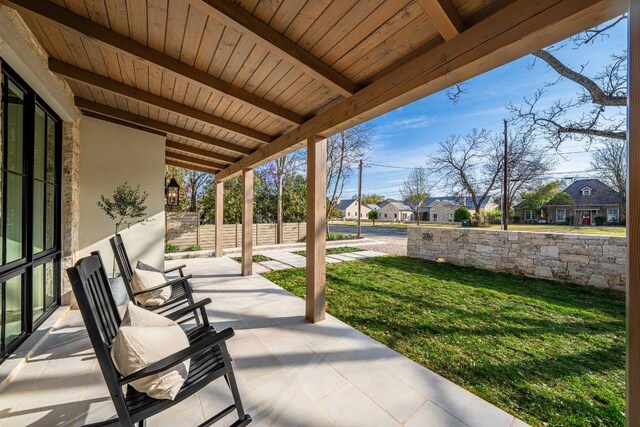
{"points": [[598, 261]]}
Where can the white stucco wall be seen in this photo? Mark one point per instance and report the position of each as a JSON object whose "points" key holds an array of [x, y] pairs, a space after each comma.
{"points": [[110, 155]]}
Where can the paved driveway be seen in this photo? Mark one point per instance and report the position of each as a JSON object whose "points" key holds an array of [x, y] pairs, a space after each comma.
{"points": [[388, 234]]}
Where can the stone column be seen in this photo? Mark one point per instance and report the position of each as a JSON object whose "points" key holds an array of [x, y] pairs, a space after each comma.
{"points": [[70, 204]]}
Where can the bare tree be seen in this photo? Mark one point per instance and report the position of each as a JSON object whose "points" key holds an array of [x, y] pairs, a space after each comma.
{"points": [[286, 166], [195, 182], [610, 162], [527, 164], [344, 151], [598, 111], [470, 164], [415, 190]]}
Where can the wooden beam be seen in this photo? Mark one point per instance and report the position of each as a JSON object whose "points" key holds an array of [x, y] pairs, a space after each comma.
{"points": [[123, 123], [199, 151], [189, 166], [195, 160], [219, 218], [235, 16], [444, 16], [87, 77], [521, 27], [316, 228], [247, 222], [64, 17], [633, 220], [105, 110]]}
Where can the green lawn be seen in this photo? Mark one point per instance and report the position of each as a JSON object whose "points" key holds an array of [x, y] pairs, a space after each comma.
{"points": [[549, 353], [541, 228], [334, 251]]}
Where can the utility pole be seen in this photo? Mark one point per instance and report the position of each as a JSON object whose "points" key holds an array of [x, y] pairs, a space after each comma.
{"points": [[359, 199], [505, 184]]}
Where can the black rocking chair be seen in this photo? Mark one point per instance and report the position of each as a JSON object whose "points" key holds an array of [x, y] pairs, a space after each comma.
{"points": [[181, 292], [210, 359]]}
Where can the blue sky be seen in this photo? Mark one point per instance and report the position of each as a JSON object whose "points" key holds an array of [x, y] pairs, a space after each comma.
{"points": [[407, 136]]}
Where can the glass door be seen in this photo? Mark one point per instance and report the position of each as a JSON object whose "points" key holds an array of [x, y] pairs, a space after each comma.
{"points": [[29, 211]]}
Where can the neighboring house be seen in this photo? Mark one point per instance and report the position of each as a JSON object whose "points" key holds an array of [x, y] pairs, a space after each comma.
{"points": [[529, 216], [349, 209], [442, 208], [372, 207], [593, 199], [394, 211]]}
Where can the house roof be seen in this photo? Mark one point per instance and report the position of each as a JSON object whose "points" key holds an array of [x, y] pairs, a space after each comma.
{"points": [[344, 204], [373, 206], [399, 205], [468, 201], [601, 194]]}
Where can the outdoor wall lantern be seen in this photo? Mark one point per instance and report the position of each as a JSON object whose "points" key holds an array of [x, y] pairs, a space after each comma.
{"points": [[172, 193]]}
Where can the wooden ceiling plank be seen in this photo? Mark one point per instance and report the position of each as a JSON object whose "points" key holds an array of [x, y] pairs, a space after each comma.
{"points": [[64, 17], [514, 31], [444, 16], [105, 83], [87, 105], [200, 152], [266, 36], [195, 160], [189, 166]]}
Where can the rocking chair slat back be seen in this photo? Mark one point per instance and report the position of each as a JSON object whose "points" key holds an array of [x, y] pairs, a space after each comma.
{"points": [[102, 320], [122, 259]]}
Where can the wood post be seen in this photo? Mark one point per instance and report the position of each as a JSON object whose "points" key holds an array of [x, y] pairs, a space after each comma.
{"points": [[219, 217], [633, 219], [316, 228], [247, 222]]}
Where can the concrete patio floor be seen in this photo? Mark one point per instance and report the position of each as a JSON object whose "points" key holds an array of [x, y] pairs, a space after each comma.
{"points": [[290, 372]]}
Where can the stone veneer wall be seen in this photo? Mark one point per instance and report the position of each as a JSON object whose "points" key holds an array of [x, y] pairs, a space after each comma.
{"points": [[70, 204], [598, 261]]}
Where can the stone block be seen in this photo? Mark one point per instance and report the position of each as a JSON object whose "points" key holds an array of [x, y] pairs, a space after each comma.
{"points": [[579, 259], [598, 281], [549, 251], [544, 272]]}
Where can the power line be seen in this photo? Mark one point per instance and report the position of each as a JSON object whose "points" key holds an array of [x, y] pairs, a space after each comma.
{"points": [[389, 166]]}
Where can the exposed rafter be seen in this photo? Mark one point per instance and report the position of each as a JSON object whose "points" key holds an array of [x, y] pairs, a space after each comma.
{"points": [[182, 158], [190, 166], [444, 16], [109, 119], [87, 77], [87, 105], [521, 27], [61, 16], [199, 151], [264, 35]]}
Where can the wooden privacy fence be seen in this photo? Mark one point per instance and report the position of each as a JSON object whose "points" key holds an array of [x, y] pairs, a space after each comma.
{"points": [[184, 232]]}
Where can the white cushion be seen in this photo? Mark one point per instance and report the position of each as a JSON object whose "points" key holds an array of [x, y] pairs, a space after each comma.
{"points": [[145, 337], [143, 279]]}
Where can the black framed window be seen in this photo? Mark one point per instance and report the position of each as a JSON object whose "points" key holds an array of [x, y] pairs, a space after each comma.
{"points": [[30, 151]]}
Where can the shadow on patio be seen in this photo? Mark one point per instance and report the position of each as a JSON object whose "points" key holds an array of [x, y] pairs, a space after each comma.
{"points": [[291, 372]]}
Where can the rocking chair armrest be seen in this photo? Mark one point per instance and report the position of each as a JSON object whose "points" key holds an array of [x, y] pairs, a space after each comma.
{"points": [[181, 356], [199, 305], [179, 267], [164, 285]]}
